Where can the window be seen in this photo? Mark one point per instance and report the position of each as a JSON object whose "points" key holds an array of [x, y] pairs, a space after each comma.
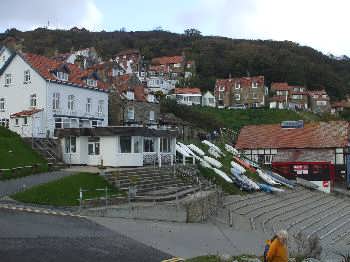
{"points": [[25, 121], [8, 79], [137, 144], [100, 107], [165, 145], [66, 123], [268, 159], [254, 84], [237, 85], [17, 122], [151, 115], [58, 122], [71, 102], [33, 100], [130, 95], [125, 144], [62, 76], [148, 144], [26, 76], [237, 97], [70, 144], [93, 146], [2, 104], [91, 82], [321, 103], [255, 96], [131, 113], [74, 123], [96, 123], [88, 105], [56, 101]]}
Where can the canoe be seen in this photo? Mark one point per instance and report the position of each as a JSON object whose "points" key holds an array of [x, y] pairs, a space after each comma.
{"points": [[238, 166], [206, 142], [196, 149], [244, 164], [250, 182], [266, 177], [213, 152], [189, 151], [231, 150], [204, 164], [270, 189], [250, 162], [280, 179], [223, 175], [243, 182], [213, 161], [181, 151]]}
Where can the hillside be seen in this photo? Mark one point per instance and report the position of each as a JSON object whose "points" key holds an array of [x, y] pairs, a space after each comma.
{"points": [[212, 118], [14, 152], [215, 57]]}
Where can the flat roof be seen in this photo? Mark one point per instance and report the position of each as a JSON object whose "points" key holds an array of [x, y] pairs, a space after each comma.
{"points": [[115, 131]]}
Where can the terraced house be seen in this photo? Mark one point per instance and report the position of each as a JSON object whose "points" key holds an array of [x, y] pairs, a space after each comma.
{"points": [[244, 91], [39, 95]]}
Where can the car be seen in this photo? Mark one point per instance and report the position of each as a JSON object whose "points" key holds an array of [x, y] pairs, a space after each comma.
{"points": [[238, 106]]}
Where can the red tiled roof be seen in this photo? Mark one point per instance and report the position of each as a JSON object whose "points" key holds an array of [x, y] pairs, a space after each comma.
{"points": [[280, 86], [26, 113], [164, 60], [193, 90], [315, 135], [44, 66], [244, 81]]}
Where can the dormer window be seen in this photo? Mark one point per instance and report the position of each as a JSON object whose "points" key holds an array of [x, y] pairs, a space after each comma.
{"points": [[91, 82], [130, 95], [254, 84], [63, 76]]}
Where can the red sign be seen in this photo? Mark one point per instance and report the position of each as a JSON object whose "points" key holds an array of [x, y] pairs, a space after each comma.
{"points": [[325, 183]]}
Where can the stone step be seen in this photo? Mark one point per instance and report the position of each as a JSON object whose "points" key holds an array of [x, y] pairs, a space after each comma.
{"points": [[170, 197], [154, 186], [166, 191]]}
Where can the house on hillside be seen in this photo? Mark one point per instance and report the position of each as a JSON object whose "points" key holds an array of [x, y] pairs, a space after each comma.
{"points": [[160, 84], [84, 58], [208, 99], [284, 96], [117, 146], [39, 95], [319, 101], [130, 61], [323, 142], [339, 106], [247, 91], [131, 103], [298, 98], [187, 96]]}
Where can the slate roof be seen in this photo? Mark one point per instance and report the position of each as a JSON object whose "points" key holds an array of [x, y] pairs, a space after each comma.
{"points": [[314, 135]]}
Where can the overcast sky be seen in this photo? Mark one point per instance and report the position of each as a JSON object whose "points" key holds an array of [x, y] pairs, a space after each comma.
{"points": [[321, 24]]}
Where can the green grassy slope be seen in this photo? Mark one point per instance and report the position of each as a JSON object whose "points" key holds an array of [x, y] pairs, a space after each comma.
{"points": [[15, 152]]}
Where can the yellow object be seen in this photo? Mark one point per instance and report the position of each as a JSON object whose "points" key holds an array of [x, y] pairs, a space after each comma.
{"points": [[277, 252]]}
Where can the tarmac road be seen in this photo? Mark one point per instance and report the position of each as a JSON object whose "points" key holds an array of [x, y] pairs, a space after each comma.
{"points": [[36, 237]]}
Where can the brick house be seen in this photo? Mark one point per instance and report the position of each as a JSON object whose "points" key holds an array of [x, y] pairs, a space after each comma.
{"points": [[314, 142], [319, 101], [131, 104], [284, 96], [187, 96], [248, 91]]}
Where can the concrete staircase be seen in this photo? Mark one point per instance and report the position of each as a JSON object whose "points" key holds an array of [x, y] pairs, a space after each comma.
{"points": [[152, 184], [49, 148]]}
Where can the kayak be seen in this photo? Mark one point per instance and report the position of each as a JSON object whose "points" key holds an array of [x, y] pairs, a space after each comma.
{"points": [[189, 151], [231, 150], [244, 164], [206, 142], [196, 149], [270, 189], [181, 151], [238, 166], [213, 161], [204, 164], [243, 181], [280, 179], [213, 152], [266, 177], [223, 175]]}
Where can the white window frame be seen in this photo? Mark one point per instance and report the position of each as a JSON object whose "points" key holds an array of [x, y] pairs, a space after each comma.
{"points": [[91, 82], [63, 76], [56, 101], [131, 113], [268, 159], [70, 146], [151, 115], [58, 121], [95, 145], [27, 76], [255, 96], [8, 79], [25, 121], [100, 107], [237, 85], [165, 145], [237, 97], [70, 103], [88, 106], [33, 100], [130, 95], [255, 84], [2, 104]]}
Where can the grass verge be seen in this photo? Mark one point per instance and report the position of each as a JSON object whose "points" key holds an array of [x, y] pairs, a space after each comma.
{"points": [[65, 191]]}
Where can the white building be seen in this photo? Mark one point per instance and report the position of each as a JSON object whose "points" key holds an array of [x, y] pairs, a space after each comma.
{"points": [[208, 99], [38, 94], [117, 146], [160, 83], [187, 96], [5, 54]]}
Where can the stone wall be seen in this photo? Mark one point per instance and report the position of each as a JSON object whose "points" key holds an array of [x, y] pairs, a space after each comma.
{"points": [[142, 111]]}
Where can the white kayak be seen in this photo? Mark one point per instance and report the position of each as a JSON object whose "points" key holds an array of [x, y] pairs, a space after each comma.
{"points": [[213, 152], [196, 149], [250, 182], [231, 150], [206, 142], [266, 177], [213, 161], [185, 148], [223, 175], [238, 166], [181, 151], [205, 164]]}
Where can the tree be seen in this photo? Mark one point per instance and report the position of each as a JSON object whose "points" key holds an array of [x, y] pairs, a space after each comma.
{"points": [[192, 33]]}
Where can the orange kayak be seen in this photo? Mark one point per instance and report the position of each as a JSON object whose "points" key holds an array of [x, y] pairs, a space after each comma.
{"points": [[245, 164]]}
